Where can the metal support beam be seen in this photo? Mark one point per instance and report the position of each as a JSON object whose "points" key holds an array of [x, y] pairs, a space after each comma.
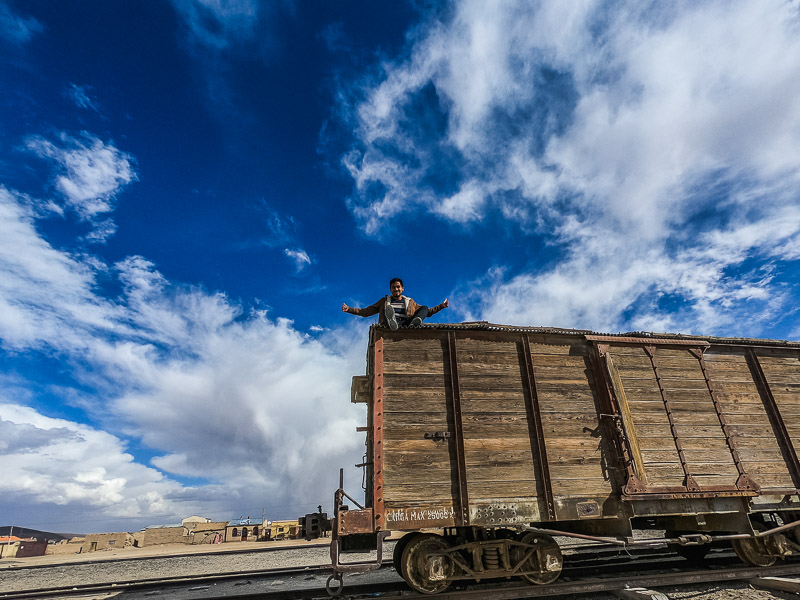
{"points": [[377, 435], [462, 518], [536, 430], [636, 477]]}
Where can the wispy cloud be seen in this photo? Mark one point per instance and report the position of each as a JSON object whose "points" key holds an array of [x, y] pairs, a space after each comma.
{"points": [[79, 94], [632, 139], [299, 257], [16, 29], [91, 172]]}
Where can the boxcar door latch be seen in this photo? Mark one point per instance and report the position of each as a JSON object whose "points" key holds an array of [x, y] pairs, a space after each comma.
{"points": [[437, 436]]}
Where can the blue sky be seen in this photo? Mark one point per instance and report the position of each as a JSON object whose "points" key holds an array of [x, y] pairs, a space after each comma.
{"points": [[190, 190]]}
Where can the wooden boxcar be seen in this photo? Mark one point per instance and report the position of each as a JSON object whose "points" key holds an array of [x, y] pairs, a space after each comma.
{"points": [[498, 437]]}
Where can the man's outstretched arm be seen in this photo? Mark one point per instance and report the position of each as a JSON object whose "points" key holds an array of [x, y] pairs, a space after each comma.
{"points": [[368, 311], [435, 309]]}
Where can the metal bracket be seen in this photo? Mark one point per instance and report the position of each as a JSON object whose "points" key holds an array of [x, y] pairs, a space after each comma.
{"points": [[690, 484], [745, 482], [634, 485]]}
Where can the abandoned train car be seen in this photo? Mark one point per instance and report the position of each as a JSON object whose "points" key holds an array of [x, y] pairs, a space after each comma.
{"points": [[500, 437]]}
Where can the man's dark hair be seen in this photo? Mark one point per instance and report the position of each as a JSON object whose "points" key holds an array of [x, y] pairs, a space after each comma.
{"points": [[397, 279]]}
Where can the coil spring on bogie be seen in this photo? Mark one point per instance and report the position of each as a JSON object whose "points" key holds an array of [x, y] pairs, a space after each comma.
{"points": [[491, 558]]}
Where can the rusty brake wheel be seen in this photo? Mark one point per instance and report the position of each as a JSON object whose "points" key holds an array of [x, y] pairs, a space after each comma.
{"points": [[545, 561], [426, 567], [754, 551]]}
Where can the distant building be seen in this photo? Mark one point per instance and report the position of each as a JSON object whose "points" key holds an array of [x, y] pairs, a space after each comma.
{"points": [[158, 535], [9, 545], [281, 530], [244, 530], [106, 541], [187, 522], [66, 546], [212, 532]]}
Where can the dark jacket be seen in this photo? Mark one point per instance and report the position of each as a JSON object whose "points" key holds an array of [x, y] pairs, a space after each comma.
{"points": [[374, 309]]}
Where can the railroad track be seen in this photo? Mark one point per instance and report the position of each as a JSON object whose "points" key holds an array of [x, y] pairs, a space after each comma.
{"points": [[586, 571]]}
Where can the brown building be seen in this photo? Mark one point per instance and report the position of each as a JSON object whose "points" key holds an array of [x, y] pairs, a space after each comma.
{"points": [[106, 541], [212, 532], [70, 546], [244, 530], [163, 534]]}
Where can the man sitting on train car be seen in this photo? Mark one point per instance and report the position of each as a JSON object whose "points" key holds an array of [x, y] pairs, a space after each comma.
{"points": [[397, 310]]}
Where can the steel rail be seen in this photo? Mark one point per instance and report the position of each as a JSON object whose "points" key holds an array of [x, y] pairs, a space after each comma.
{"points": [[595, 585], [81, 563], [173, 580]]}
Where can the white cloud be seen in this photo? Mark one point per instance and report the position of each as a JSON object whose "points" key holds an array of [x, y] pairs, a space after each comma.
{"points": [[299, 257], [15, 28], [92, 172], [46, 296], [79, 94], [240, 399], [55, 461], [649, 147]]}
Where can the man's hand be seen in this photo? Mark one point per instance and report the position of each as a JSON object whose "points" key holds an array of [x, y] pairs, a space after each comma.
{"points": [[344, 307], [446, 303]]}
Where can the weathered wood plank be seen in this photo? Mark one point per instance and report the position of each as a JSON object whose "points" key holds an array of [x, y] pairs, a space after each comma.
{"points": [[416, 368], [728, 387], [491, 369], [581, 487], [417, 492], [590, 470], [576, 349], [698, 455], [666, 442], [777, 481], [561, 360], [716, 357], [576, 394], [781, 379], [696, 419], [498, 487], [394, 382], [740, 398], [650, 418], [622, 350]]}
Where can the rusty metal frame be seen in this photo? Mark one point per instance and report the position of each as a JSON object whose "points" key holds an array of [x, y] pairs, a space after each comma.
{"points": [[744, 482], [636, 480], [535, 424], [689, 481], [377, 436], [611, 412], [644, 341], [458, 430], [774, 414]]}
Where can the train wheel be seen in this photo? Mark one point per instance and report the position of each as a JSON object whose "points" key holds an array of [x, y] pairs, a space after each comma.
{"points": [[754, 551], [425, 565], [397, 555], [545, 561]]}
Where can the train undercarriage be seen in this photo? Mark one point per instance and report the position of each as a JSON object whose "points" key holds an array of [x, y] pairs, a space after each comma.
{"points": [[431, 561]]}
